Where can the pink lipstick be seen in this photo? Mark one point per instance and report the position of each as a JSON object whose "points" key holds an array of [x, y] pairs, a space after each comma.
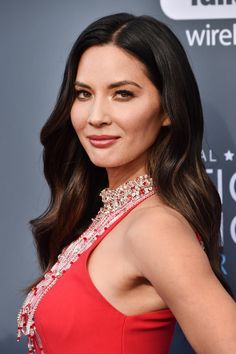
{"points": [[102, 141]]}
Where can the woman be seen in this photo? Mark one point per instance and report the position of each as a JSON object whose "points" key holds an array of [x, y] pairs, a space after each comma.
{"points": [[129, 241]]}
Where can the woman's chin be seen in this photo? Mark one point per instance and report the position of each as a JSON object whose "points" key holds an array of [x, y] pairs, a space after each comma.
{"points": [[106, 164]]}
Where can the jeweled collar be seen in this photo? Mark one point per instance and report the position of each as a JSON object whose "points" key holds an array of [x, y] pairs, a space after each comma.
{"points": [[115, 198]]}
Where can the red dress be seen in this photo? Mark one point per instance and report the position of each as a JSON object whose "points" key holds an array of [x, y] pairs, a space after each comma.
{"points": [[66, 314], [74, 317]]}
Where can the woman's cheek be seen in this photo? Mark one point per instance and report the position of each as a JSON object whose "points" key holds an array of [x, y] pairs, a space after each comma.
{"points": [[76, 118]]}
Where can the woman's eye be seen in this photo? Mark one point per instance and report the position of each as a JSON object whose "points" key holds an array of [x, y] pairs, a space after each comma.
{"points": [[85, 94], [125, 93]]}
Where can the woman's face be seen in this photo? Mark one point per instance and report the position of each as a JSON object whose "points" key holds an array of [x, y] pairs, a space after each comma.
{"points": [[116, 121]]}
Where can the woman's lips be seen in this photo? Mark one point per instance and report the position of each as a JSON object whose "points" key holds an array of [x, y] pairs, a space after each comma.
{"points": [[102, 141]]}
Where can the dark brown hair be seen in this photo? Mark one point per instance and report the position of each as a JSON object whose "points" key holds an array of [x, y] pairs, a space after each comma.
{"points": [[175, 158]]}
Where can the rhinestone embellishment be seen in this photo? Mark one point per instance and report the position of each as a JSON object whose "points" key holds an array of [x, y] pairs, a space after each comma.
{"points": [[115, 198], [116, 202]]}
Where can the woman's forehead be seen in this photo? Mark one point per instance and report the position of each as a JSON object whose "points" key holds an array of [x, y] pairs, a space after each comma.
{"points": [[111, 64]]}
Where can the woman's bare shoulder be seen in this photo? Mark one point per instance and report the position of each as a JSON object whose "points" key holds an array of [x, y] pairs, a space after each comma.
{"points": [[165, 247], [167, 252], [156, 217]]}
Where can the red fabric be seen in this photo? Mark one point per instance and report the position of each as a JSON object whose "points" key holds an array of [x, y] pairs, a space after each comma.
{"points": [[74, 317]]}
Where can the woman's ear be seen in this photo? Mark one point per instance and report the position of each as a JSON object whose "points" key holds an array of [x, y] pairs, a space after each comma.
{"points": [[166, 120]]}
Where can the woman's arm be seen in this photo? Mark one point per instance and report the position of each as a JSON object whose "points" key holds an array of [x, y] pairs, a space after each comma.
{"points": [[168, 254]]}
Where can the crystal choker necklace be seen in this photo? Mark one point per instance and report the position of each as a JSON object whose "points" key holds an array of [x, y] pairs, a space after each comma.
{"points": [[115, 198]]}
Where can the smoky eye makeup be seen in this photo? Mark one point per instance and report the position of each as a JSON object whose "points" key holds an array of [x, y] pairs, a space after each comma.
{"points": [[79, 92], [125, 93], [82, 94]]}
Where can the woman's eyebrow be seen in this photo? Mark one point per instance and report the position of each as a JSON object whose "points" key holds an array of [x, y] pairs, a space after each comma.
{"points": [[112, 85]]}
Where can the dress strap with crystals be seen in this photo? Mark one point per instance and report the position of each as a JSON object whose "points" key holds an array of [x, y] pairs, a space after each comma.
{"points": [[116, 202]]}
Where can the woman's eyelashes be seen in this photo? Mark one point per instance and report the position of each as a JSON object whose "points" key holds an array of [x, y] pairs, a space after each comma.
{"points": [[79, 92], [83, 95]]}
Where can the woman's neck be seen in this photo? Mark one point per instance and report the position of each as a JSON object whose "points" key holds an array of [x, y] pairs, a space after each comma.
{"points": [[118, 176]]}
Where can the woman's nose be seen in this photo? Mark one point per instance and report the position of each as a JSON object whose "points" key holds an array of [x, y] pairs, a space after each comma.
{"points": [[99, 113]]}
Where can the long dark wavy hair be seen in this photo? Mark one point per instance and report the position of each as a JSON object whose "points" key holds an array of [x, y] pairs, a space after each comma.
{"points": [[174, 159]]}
